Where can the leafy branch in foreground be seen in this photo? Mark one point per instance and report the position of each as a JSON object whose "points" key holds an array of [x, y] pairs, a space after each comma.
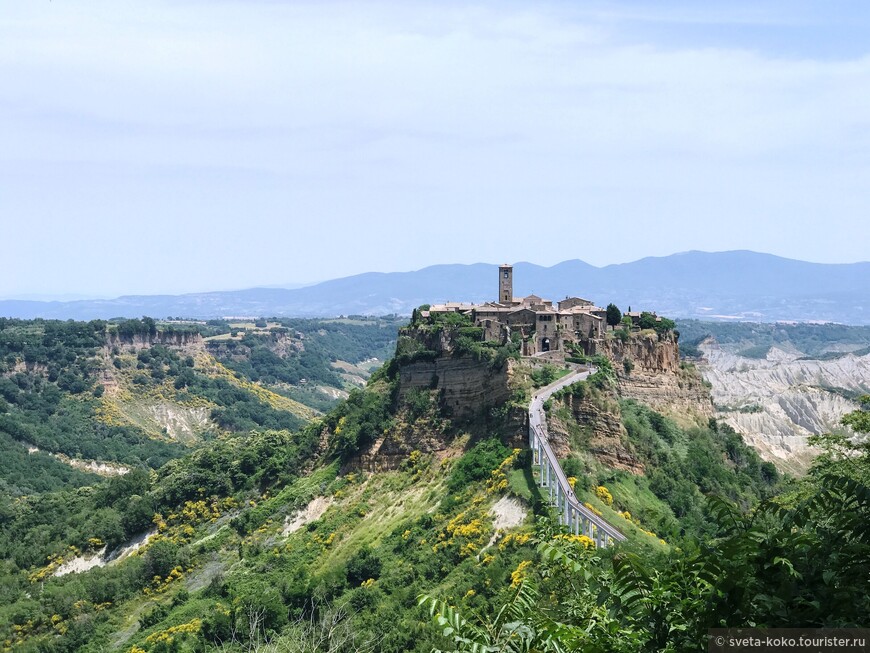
{"points": [[512, 629]]}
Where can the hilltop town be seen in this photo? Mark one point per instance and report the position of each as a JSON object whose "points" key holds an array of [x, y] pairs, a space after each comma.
{"points": [[540, 326]]}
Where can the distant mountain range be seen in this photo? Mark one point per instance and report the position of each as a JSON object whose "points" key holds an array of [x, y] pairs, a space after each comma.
{"points": [[722, 285]]}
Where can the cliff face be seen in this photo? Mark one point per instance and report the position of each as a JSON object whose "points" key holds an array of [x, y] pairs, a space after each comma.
{"points": [[424, 434], [280, 343], [648, 369], [466, 386], [600, 430], [177, 339]]}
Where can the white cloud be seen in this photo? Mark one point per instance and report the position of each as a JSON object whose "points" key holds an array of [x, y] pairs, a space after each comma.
{"points": [[466, 115]]}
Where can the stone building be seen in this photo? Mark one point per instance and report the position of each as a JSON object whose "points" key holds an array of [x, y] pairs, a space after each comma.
{"points": [[541, 325]]}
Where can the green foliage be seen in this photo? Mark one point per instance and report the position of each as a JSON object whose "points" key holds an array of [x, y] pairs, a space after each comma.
{"points": [[774, 567], [363, 565], [614, 315], [684, 466], [603, 378], [545, 375], [419, 402], [129, 329], [650, 321], [859, 420], [451, 319], [476, 464], [757, 351], [362, 418], [42, 415], [511, 629], [23, 473], [475, 333], [647, 320]]}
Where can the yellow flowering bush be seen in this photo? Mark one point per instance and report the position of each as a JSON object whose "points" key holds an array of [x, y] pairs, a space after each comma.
{"points": [[159, 585], [168, 636], [583, 540], [467, 530], [604, 494], [497, 481], [519, 574], [514, 539]]}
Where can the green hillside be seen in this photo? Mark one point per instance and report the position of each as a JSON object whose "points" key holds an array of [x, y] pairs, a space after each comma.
{"points": [[138, 393], [266, 532], [754, 339]]}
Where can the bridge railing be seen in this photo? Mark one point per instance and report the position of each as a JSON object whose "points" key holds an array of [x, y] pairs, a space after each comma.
{"points": [[578, 518]]}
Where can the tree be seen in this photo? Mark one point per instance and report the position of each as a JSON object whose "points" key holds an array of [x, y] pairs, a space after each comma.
{"points": [[614, 315], [647, 320]]}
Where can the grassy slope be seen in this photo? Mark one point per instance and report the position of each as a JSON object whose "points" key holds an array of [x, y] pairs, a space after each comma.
{"points": [[385, 538]]}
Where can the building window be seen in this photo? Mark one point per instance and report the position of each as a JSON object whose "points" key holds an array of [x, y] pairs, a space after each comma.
{"points": [[505, 274]]}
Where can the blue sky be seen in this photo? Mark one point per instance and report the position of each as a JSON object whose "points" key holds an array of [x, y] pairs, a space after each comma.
{"points": [[167, 147]]}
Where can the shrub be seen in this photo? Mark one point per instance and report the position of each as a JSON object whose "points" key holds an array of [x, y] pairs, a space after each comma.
{"points": [[477, 464], [604, 494], [363, 565]]}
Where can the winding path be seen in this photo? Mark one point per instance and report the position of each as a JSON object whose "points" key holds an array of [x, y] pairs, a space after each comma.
{"points": [[573, 514]]}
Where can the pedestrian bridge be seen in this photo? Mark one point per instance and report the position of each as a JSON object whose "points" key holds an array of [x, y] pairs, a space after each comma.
{"points": [[573, 514]]}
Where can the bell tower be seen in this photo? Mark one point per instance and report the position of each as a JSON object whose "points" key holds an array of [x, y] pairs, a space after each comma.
{"points": [[505, 283]]}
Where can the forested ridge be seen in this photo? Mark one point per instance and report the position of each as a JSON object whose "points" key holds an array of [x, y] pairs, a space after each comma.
{"points": [[265, 535], [86, 391], [754, 339]]}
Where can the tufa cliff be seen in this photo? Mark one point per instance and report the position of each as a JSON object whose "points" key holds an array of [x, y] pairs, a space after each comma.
{"points": [[590, 419], [446, 375], [648, 369], [468, 379], [180, 339]]}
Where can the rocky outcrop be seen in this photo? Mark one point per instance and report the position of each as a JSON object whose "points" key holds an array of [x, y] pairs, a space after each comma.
{"points": [[645, 351], [605, 437], [428, 359], [648, 369], [465, 386], [168, 338], [394, 448], [279, 341]]}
